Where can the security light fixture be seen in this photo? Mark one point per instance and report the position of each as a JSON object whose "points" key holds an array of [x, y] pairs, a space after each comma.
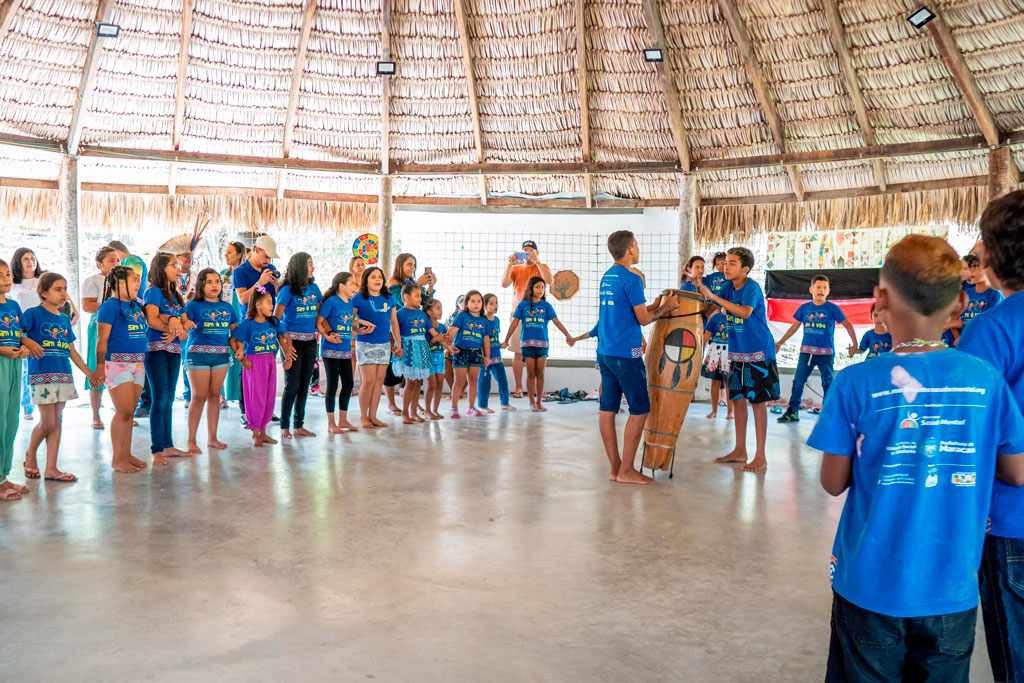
{"points": [[921, 17], [385, 68], [653, 56], [107, 30]]}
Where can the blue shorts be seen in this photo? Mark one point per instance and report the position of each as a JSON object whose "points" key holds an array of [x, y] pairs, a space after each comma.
{"points": [[468, 358], [195, 360], [623, 377], [535, 352]]}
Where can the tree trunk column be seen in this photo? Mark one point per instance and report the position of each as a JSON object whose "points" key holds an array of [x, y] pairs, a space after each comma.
{"points": [[384, 216], [687, 220], [69, 205], [999, 180]]}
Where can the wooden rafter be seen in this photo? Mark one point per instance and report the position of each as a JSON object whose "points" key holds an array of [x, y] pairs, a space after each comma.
{"points": [[88, 82], [835, 24], [955, 62], [8, 9], [385, 89], [298, 70], [757, 80], [583, 88], [667, 79], [474, 105], [187, 8]]}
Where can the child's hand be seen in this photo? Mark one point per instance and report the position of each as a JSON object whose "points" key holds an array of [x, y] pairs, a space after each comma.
{"points": [[34, 349], [853, 350], [287, 364], [778, 345], [246, 363], [239, 355], [98, 378], [22, 352], [571, 341], [334, 338], [396, 351], [169, 337], [503, 345], [365, 327]]}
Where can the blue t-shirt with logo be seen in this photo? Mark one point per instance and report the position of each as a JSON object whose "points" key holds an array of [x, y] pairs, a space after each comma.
{"points": [[718, 326], [996, 337], [213, 325], [688, 286], [715, 282], [300, 310], [471, 330], [339, 315], [127, 340], [619, 332], [819, 324], [923, 430], [245, 276], [750, 340], [10, 323], [53, 332], [259, 337], [375, 310], [980, 302], [875, 344], [437, 346], [495, 337], [412, 322], [534, 318], [155, 297]]}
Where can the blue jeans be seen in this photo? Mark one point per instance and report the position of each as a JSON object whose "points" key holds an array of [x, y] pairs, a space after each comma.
{"points": [[804, 367], [26, 395], [483, 384], [162, 368], [868, 647], [623, 377], [187, 394], [1002, 606]]}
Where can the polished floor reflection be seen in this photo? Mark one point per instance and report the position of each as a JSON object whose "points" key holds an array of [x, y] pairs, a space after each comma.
{"points": [[486, 549]]}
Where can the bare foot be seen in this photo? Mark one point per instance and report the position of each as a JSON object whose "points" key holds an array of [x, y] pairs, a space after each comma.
{"points": [[508, 407], [535, 408], [257, 442], [135, 461], [159, 460], [542, 408], [267, 439], [378, 423], [419, 419], [487, 410], [17, 488], [730, 416], [436, 416], [713, 414], [193, 448], [345, 424], [286, 434], [734, 456], [367, 423], [633, 477], [219, 445], [613, 475], [125, 466], [758, 464], [393, 410], [335, 429], [173, 452], [301, 431], [408, 421]]}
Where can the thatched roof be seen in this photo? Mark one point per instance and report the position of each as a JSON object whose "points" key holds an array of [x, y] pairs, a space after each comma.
{"points": [[242, 55]]}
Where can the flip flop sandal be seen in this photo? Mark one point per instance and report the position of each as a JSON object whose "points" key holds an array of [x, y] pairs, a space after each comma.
{"points": [[9, 494], [30, 472], [97, 426], [64, 477]]}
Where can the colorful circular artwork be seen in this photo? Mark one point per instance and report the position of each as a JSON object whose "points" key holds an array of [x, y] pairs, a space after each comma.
{"points": [[367, 247]]}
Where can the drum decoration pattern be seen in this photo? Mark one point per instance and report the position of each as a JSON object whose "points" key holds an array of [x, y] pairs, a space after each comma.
{"points": [[674, 357], [367, 247]]}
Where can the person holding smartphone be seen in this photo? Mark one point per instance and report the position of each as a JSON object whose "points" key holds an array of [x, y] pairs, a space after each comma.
{"points": [[522, 266]]}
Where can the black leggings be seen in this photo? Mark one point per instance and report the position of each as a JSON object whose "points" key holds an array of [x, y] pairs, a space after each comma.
{"points": [[338, 368], [296, 383]]}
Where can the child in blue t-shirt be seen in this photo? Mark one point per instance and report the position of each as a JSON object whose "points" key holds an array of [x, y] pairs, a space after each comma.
{"points": [[439, 344], [716, 280], [412, 356], [819, 318], [473, 341], [694, 275], [297, 304], [493, 367], [874, 342], [49, 375], [534, 313], [981, 297], [14, 347], [716, 360], [753, 375], [996, 336], [335, 321], [917, 435]]}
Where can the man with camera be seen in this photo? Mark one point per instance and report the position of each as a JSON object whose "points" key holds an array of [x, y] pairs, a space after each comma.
{"points": [[522, 266], [256, 270]]}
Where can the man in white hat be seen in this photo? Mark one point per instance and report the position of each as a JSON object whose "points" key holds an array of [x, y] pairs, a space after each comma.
{"points": [[255, 271]]}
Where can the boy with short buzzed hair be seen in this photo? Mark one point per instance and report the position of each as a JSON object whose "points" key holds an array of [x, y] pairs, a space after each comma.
{"points": [[819, 318], [917, 435], [753, 376]]}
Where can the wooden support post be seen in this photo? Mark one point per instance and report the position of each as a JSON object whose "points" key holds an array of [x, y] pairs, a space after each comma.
{"points": [[1000, 178], [483, 190], [384, 216], [688, 203], [69, 205]]}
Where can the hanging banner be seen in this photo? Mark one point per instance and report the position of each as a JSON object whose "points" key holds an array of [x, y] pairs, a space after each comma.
{"points": [[828, 249]]}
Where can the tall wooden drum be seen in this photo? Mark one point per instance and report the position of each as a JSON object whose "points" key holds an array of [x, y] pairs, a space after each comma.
{"points": [[674, 356]]}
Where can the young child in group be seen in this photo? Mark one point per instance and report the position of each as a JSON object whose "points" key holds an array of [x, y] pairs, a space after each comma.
{"points": [[296, 306], [716, 280], [13, 348], [255, 343], [981, 297], [534, 313], [996, 337], [49, 375], [918, 436], [334, 321], [438, 345], [209, 355], [121, 350], [374, 305], [818, 317], [412, 358], [493, 367], [449, 372], [874, 342], [694, 275], [753, 375], [716, 361], [472, 345]]}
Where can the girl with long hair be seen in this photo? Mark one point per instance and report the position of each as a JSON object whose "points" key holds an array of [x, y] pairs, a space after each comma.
{"points": [[14, 347], [25, 272], [373, 305], [534, 313], [334, 322], [297, 304], [473, 344], [92, 296]]}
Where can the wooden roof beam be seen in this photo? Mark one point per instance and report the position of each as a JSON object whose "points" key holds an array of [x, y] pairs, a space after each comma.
{"points": [[8, 9], [753, 68], [385, 88], [298, 71], [88, 82], [835, 24], [667, 79], [583, 88], [187, 7], [474, 105]]}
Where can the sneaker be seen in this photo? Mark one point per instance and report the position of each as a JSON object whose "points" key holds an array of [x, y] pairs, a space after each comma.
{"points": [[789, 416], [242, 421], [473, 412], [275, 418]]}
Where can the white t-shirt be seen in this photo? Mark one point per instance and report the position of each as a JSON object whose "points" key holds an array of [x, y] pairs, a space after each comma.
{"points": [[93, 287], [25, 293]]}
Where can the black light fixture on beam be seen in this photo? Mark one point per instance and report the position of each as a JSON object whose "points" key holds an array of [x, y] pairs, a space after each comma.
{"points": [[107, 30], [385, 68], [921, 17], [654, 55]]}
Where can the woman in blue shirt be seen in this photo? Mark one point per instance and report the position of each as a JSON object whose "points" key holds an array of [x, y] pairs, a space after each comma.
{"points": [[373, 305], [297, 305]]}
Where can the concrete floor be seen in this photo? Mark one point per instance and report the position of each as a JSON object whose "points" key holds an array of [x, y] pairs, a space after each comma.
{"points": [[488, 549]]}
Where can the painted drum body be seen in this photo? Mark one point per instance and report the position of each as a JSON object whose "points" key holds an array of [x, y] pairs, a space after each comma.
{"points": [[674, 357]]}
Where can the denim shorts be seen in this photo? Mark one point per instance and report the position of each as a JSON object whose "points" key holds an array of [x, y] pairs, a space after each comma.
{"points": [[195, 360], [623, 377], [535, 352], [468, 358]]}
